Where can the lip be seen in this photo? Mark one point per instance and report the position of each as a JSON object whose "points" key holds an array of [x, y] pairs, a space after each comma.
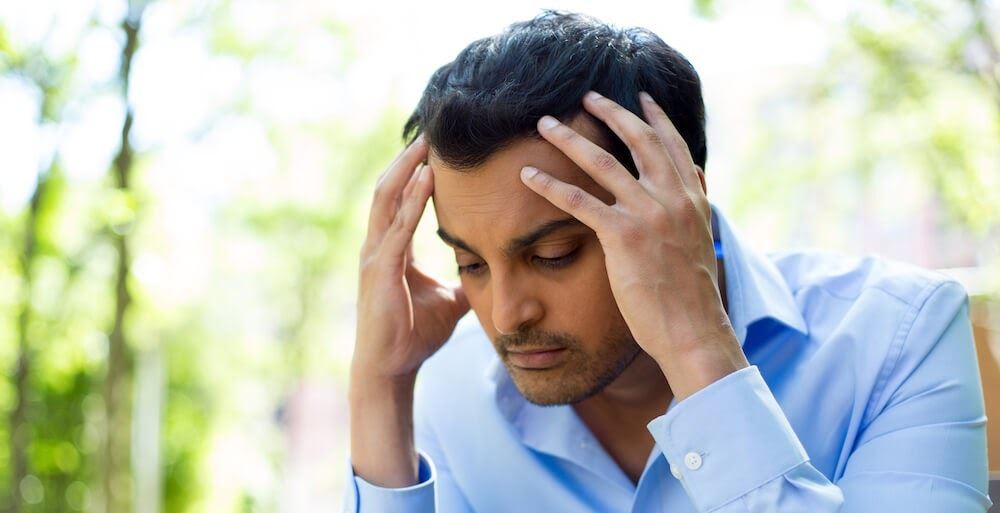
{"points": [[537, 358]]}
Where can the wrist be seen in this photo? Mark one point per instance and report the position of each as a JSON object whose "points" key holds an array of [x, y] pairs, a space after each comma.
{"points": [[383, 450], [693, 366], [369, 384]]}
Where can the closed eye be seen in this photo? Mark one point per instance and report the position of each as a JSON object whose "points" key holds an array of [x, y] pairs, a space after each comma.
{"points": [[548, 263], [555, 263]]}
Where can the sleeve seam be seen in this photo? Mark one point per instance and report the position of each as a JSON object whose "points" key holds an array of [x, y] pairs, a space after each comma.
{"points": [[896, 347]]}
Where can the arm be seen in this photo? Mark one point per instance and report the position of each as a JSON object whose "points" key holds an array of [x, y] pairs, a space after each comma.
{"points": [[923, 450], [404, 316]]}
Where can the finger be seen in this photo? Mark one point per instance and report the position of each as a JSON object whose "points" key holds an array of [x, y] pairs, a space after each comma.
{"points": [[373, 237], [409, 186], [648, 149], [410, 264], [569, 198], [400, 232], [387, 196], [414, 180], [675, 144], [603, 167]]}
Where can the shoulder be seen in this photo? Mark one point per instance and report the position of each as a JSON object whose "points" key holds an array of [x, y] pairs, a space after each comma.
{"points": [[830, 283], [880, 316]]}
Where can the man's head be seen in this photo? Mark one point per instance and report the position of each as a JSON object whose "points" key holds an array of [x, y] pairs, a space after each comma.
{"points": [[479, 115]]}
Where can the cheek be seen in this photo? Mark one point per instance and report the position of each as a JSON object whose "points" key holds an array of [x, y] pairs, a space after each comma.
{"points": [[585, 302]]}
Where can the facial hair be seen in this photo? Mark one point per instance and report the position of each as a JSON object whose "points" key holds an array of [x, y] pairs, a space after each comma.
{"points": [[582, 375]]}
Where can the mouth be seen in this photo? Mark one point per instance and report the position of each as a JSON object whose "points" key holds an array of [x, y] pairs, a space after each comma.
{"points": [[536, 358]]}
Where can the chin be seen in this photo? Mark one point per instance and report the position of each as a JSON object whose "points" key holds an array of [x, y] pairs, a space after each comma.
{"points": [[552, 388]]}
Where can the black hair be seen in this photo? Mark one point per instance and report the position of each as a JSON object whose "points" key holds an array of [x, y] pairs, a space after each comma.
{"points": [[497, 88]]}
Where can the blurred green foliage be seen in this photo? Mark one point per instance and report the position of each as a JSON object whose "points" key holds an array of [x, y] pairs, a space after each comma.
{"points": [[58, 259]]}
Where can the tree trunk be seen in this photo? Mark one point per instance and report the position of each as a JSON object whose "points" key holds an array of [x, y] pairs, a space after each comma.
{"points": [[20, 429], [115, 475]]}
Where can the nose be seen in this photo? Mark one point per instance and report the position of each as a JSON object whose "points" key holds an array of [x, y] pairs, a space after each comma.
{"points": [[515, 304]]}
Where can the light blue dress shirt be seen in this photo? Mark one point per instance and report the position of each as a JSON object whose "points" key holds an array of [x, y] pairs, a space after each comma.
{"points": [[863, 395]]}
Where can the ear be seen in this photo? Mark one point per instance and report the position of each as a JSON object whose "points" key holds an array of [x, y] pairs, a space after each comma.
{"points": [[701, 177]]}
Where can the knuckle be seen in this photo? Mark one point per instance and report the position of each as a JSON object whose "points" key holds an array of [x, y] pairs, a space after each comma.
{"points": [[631, 234], [368, 269], [686, 211], [576, 198], [659, 219], [651, 136], [604, 161], [679, 144], [691, 211], [400, 221]]}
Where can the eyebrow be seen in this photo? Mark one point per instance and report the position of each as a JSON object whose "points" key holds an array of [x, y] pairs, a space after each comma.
{"points": [[518, 243]]}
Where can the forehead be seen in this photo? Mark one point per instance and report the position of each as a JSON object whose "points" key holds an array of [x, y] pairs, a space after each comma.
{"points": [[488, 205]]}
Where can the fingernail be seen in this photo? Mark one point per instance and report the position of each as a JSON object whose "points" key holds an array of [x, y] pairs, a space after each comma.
{"points": [[425, 173], [646, 97], [593, 95], [548, 122], [528, 172]]}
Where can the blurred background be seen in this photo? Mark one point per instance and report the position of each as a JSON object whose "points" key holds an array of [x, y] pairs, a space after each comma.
{"points": [[184, 187]]}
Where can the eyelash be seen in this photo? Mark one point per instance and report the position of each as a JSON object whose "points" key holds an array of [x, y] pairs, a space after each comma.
{"points": [[550, 263]]}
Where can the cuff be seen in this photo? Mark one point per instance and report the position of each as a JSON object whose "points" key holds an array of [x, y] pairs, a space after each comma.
{"points": [[727, 439], [418, 498]]}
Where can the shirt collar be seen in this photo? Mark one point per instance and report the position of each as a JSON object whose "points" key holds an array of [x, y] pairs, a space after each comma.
{"points": [[755, 290]]}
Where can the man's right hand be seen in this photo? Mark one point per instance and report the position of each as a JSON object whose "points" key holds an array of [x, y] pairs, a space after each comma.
{"points": [[404, 316]]}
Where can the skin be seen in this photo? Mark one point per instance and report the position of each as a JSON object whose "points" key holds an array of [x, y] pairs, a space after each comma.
{"points": [[638, 309]]}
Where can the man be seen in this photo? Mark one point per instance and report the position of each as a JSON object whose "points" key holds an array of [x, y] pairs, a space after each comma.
{"points": [[631, 352]]}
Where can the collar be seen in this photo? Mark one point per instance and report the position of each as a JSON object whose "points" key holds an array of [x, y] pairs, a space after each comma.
{"points": [[755, 290]]}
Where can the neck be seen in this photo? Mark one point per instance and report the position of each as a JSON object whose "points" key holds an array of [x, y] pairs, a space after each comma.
{"points": [[639, 395]]}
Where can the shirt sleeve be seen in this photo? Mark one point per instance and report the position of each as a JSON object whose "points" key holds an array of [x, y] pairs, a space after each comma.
{"points": [[734, 451], [360, 496]]}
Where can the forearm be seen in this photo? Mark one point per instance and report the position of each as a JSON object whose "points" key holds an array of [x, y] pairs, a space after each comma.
{"points": [[382, 443]]}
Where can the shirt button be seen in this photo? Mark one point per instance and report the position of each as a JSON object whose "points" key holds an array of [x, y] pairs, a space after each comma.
{"points": [[692, 460], [675, 471]]}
